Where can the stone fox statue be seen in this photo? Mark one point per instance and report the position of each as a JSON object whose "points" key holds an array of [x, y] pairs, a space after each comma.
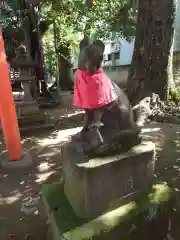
{"points": [[106, 106]]}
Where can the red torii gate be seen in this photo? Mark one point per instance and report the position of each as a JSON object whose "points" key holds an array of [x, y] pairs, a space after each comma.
{"points": [[7, 109]]}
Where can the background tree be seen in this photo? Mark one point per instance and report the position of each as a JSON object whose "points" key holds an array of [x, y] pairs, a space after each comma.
{"points": [[9, 20], [151, 64], [64, 22], [21, 25], [95, 19]]}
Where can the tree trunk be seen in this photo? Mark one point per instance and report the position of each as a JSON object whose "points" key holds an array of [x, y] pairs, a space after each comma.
{"points": [[31, 39], [56, 51], [87, 30], [65, 78], [36, 38], [151, 59], [36, 46]]}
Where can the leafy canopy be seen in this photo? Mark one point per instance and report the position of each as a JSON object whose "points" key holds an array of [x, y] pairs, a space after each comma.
{"points": [[102, 18]]}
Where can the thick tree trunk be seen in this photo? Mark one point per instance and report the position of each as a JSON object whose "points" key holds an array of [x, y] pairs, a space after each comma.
{"points": [[151, 59]]}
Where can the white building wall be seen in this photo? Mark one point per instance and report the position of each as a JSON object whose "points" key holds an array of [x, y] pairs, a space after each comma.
{"points": [[125, 53]]}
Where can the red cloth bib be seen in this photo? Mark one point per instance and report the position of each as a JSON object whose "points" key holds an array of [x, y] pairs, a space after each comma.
{"points": [[93, 90]]}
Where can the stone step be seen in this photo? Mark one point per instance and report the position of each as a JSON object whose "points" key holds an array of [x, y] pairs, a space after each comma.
{"points": [[35, 128], [52, 104], [23, 103], [33, 123], [40, 118], [147, 217]]}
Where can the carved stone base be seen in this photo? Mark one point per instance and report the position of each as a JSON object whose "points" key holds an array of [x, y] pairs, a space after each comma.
{"points": [[93, 185]]}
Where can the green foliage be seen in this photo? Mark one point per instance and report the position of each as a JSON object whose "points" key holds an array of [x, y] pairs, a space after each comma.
{"points": [[74, 18], [9, 12], [61, 41], [9, 21], [174, 95], [103, 17], [49, 52]]}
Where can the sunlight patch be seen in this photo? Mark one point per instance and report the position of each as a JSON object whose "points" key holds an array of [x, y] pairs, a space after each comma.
{"points": [[149, 130], [45, 166], [59, 137], [73, 114], [12, 199], [41, 177]]}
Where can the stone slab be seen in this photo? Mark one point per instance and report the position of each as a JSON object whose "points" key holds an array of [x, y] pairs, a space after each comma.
{"points": [[33, 123], [49, 104], [40, 118], [25, 108], [139, 219], [92, 185], [26, 161], [30, 129]]}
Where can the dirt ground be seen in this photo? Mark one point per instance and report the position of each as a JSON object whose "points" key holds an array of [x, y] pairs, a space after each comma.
{"points": [[18, 184]]}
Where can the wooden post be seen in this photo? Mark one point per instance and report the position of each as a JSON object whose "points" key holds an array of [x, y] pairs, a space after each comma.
{"points": [[7, 109]]}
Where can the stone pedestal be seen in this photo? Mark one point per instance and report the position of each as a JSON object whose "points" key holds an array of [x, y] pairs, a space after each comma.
{"points": [[28, 106], [29, 116], [92, 186]]}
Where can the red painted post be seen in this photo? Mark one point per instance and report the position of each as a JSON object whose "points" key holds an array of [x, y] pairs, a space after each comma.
{"points": [[7, 109]]}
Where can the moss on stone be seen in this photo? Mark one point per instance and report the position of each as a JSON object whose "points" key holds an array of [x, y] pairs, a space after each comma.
{"points": [[160, 194], [53, 196], [66, 220], [68, 226]]}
